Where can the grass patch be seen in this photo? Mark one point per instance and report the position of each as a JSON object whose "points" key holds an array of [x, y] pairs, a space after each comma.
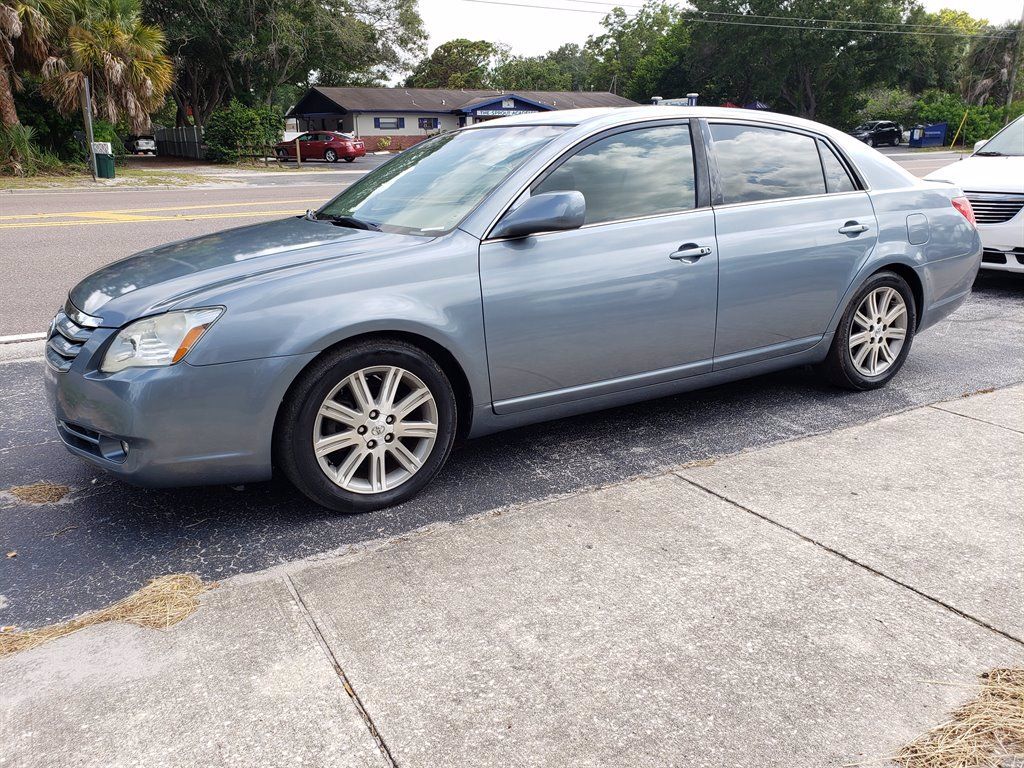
{"points": [[986, 732], [39, 493], [987, 391], [130, 177], [162, 603]]}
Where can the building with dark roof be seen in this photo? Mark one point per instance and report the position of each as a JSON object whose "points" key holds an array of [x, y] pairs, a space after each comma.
{"points": [[408, 115]]}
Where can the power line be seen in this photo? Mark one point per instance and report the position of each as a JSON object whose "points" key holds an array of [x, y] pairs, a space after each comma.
{"points": [[1003, 36], [784, 18]]}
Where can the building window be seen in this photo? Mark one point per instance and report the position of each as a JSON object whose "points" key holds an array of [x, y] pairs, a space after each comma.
{"points": [[430, 123], [389, 123]]}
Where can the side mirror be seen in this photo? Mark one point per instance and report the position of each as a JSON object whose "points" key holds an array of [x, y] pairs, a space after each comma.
{"points": [[547, 212], [979, 144]]}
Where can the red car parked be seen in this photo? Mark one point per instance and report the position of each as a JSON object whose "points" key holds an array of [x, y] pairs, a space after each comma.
{"points": [[322, 145]]}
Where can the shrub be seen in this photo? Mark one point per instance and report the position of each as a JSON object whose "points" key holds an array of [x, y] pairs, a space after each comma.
{"points": [[236, 130], [981, 123], [19, 155], [383, 143]]}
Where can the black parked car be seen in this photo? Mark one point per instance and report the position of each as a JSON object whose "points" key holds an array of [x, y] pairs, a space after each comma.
{"points": [[877, 132]]}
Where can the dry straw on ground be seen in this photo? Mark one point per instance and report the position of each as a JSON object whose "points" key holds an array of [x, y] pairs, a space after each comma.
{"points": [[39, 493], [986, 732], [163, 602]]}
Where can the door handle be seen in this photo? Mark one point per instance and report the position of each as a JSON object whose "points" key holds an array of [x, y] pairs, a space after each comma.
{"points": [[853, 228], [690, 252]]}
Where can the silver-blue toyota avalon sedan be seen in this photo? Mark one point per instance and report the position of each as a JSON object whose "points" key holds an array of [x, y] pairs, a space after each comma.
{"points": [[521, 270]]}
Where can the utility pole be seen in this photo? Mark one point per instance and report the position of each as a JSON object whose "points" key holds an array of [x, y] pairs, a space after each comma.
{"points": [[87, 118], [1014, 66]]}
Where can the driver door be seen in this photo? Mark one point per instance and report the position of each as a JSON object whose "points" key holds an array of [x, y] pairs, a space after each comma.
{"points": [[622, 302]]}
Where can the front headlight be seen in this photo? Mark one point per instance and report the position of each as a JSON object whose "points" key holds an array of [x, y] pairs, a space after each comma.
{"points": [[158, 341]]}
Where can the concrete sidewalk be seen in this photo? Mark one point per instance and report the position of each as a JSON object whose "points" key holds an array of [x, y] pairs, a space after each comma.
{"points": [[787, 607]]}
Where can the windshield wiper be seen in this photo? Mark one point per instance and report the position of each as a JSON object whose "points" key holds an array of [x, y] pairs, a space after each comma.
{"points": [[347, 221], [989, 153]]}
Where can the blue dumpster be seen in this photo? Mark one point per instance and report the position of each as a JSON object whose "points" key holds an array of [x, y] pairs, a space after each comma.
{"points": [[933, 135]]}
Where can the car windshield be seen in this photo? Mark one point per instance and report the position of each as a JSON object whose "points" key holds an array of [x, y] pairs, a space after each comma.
{"points": [[1009, 141], [429, 189], [866, 126]]}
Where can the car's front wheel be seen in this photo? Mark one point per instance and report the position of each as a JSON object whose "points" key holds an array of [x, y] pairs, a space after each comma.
{"points": [[367, 426], [282, 154], [874, 335], [331, 156]]}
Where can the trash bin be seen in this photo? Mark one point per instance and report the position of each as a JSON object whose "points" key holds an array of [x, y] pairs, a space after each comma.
{"points": [[933, 135], [104, 155]]}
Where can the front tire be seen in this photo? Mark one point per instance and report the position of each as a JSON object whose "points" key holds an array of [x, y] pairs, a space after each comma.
{"points": [[331, 156], [367, 426], [874, 335]]}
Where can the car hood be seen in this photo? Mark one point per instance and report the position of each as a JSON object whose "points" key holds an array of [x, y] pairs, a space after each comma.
{"points": [[984, 174], [156, 279]]}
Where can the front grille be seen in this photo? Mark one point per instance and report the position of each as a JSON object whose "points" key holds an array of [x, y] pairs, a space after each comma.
{"points": [[993, 257], [68, 334], [995, 208]]}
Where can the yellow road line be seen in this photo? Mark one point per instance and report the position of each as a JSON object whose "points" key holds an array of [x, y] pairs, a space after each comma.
{"points": [[125, 219], [130, 211]]}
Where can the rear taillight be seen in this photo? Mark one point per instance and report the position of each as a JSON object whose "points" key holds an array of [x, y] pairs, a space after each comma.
{"points": [[963, 205]]}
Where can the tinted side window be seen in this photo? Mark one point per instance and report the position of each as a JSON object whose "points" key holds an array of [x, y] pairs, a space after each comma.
{"points": [[637, 173], [836, 177], [765, 164]]}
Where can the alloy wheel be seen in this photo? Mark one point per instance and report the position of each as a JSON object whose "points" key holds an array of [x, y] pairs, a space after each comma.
{"points": [[375, 429], [878, 331]]}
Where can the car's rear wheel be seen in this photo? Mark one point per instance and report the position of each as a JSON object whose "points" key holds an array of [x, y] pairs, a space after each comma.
{"points": [[874, 335], [349, 159], [367, 426], [282, 154], [331, 156]]}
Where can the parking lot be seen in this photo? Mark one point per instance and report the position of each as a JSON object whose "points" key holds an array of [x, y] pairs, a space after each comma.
{"points": [[105, 538]]}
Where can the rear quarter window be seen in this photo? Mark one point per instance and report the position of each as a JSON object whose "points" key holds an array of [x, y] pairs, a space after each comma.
{"points": [[758, 163]]}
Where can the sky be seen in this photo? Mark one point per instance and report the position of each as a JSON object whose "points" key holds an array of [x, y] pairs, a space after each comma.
{"points": [[533, 32]]}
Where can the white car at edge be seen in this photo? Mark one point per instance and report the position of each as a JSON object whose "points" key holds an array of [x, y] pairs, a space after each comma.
{"points": [[993, 180]]}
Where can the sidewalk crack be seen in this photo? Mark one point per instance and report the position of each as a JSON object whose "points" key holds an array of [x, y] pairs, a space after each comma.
{"points": [[975, 418], [892, 579], [326, 648]]}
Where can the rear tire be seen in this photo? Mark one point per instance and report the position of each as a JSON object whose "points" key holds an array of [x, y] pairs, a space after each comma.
{"points": [[349, 159], [353, 452], [874, 334]]}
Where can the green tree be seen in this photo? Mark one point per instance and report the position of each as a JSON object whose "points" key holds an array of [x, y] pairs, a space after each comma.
{"points": [[626, 40], [25, 32], [990, 65], [459, 63], [123, 57], [537, 73], [809, 68], [258, 51]]}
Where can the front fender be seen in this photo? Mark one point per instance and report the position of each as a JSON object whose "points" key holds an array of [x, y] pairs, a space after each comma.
{"points": [[432, 291]]}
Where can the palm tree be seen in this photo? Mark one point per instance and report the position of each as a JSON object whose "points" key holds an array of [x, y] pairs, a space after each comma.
{"points": [[24, 33], [123, 57]]}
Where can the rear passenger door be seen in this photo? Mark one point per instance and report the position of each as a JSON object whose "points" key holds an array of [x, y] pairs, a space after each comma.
{"points": [[793, 229]]}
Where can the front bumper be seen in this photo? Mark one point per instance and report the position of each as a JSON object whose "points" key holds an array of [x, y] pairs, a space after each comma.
{"points": [[1004, 245], [180, 425]]}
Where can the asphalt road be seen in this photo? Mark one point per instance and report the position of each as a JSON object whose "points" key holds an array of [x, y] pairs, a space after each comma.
{"points": [[105, 538], [51, 239]]}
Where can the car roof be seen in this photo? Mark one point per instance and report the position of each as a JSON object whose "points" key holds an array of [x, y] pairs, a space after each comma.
{"points": [[609, 117]]}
